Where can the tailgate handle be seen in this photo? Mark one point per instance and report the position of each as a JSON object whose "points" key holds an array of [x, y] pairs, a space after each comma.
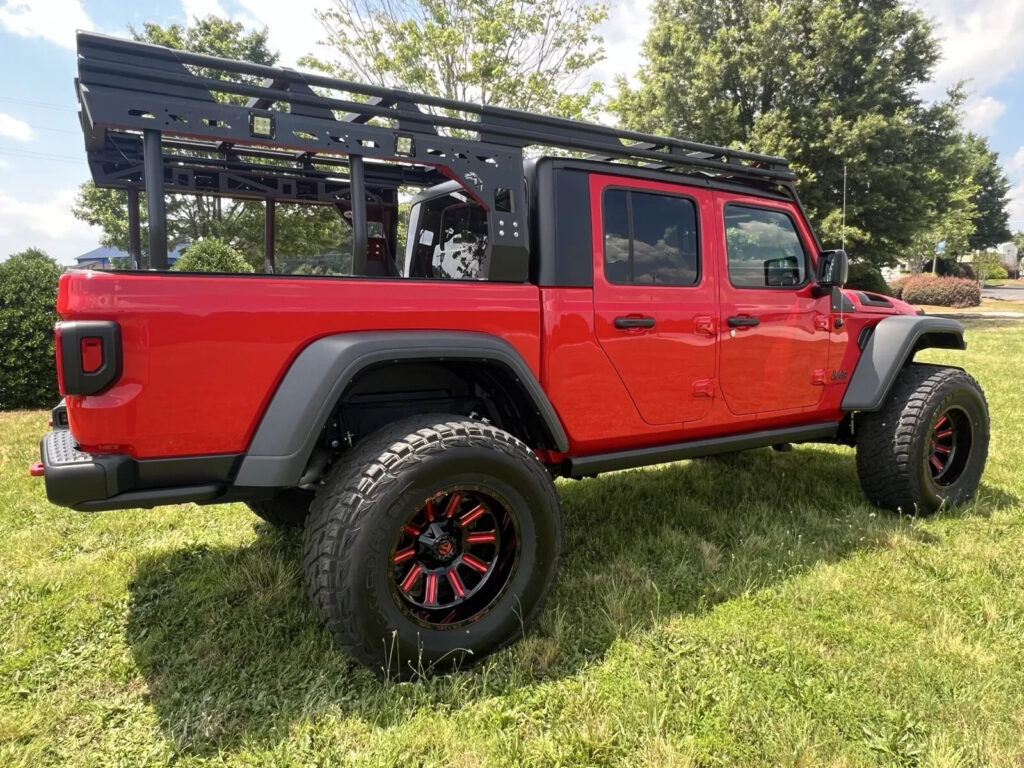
{"points": [[634, 321]]}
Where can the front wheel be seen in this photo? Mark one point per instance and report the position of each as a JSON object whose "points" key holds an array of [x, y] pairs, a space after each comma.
{"points": [[928, 445], [434, 544]]}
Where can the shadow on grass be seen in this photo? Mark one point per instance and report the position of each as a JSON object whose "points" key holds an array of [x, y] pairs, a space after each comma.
{"points": [[233, 653]]}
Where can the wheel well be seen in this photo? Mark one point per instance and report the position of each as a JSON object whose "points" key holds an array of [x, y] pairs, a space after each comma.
{"points": [[936, 340], [483, 389]]}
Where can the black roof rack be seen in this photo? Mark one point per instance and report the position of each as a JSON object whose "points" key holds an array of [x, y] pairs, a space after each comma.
{"points": [[221, 127]]}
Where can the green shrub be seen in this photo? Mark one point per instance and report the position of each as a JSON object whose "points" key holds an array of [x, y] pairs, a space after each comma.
{"points": [[866, 277], [988, 265], [997, 272], [28, 312], [212, 255], [941, 291]]}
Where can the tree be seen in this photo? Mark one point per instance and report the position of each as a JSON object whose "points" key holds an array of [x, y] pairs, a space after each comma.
{"points": [[829, 84], [951, 224], [524, 54], [991, 219], [212, 255], [300, 229], [213, 36], [28, 298], [988, 265]]}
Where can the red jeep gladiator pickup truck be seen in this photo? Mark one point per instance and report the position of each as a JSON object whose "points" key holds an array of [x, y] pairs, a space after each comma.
{"points": [[635, 300]]}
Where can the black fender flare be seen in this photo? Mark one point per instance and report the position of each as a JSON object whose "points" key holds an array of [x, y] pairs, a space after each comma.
{"points": [[287, 433], [891, 345]]}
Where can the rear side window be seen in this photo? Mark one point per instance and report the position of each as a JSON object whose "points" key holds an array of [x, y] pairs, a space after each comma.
{"points": [[650, 238], [764, 248]]}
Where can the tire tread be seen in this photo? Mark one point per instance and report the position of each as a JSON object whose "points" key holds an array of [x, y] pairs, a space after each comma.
{"points": [[885, 439], [348, 498]]}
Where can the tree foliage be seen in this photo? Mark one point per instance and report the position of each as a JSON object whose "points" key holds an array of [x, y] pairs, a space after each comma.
{"points": [[300, 230], [212, 255], [988, 265], [992, 188], [867, 277], [524, 54], [28, 298], [213, 36], [827, 83]]}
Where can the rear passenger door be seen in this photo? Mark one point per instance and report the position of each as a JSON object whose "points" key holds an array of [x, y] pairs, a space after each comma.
{"points": [[654, 294]]}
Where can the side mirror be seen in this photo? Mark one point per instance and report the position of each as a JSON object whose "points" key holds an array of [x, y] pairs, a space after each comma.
{"points": [[833, 268]]}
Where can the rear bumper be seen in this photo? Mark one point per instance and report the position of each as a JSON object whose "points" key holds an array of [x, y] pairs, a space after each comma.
{"points": [[92, 482], [73, 477]]}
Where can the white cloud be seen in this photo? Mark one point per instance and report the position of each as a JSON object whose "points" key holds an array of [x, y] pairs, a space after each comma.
{"points": [[13, 128], [294, 30], [981, 113], [1015, 207], [200, 9], [47, 224], [1016, 163], [53, 20], [624, 32], [982, 41]]}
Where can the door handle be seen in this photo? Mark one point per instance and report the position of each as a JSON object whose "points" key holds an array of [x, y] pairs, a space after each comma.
{"points": [[743, 321], [634, 321]]}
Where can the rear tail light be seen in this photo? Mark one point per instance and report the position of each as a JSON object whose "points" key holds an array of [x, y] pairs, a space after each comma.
{"points": [[88, 356]]}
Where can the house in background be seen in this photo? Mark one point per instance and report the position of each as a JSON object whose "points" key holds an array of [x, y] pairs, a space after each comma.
{"points": [[104, 258]]}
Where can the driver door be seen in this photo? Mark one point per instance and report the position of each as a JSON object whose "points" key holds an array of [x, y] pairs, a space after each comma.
{"points": [[775, 330]]}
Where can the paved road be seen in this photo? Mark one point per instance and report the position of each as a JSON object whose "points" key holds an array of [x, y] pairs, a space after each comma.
{"points": [[1006, 292]]}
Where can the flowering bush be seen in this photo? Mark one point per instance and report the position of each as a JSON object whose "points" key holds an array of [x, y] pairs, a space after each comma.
{"points": [[940, 291]]}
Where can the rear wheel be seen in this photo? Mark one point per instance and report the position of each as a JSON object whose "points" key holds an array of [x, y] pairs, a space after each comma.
{"points": [[928, 445], [288, 509], [432, 545]]}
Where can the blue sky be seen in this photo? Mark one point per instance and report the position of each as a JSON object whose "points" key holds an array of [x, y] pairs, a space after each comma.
{"points": [[42, 159]]}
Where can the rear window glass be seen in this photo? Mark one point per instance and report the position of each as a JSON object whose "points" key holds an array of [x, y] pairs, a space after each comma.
{"points": [[650, 238]]}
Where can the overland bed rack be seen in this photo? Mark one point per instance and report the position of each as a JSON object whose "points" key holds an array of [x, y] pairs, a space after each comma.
{"points": [[156, 119]]}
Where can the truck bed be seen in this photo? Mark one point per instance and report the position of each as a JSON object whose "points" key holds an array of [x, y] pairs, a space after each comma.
{"points": [[203, 354]]}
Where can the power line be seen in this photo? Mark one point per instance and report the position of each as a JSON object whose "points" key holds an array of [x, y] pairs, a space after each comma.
{"points": [[40, 156], [42, 104], [55, 130]]}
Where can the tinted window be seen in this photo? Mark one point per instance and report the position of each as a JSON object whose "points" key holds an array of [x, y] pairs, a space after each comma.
{"points": [[650, 238], [764, 249]]}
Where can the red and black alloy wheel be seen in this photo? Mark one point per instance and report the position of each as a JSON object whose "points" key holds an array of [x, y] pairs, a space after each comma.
{"points": [[433, 545], [949, 446], [454, 557], [926, 448]]}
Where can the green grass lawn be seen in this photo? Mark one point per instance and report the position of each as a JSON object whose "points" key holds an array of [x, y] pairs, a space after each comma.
{"points": [[748, 611]]}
